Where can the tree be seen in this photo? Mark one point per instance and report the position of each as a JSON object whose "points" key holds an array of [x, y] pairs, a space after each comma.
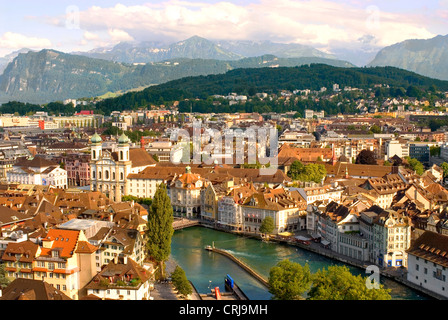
{"points": [[444, 167], [314, 172], [434, 151], [366, 157], [289, 280], [295, 170], [311, 172], [181, 282], [160, 227], [415, 165], [375, 129], [267, 225], [337, 283], [4, 282]]}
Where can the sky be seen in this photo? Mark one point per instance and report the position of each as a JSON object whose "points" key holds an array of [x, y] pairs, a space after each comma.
{"points": [[81, 25]]}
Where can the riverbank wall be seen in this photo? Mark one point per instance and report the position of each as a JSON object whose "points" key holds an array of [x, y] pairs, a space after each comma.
{"points": [[393, 274]]}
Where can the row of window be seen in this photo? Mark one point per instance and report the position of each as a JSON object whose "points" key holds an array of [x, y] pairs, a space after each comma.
{"points": [[106, 175]]}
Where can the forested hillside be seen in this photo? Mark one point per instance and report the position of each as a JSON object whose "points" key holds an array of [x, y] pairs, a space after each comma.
{"points": [[395, 82]]}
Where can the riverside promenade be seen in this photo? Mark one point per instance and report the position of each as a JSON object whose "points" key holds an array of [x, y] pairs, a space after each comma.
{"points": [[398, 275]]}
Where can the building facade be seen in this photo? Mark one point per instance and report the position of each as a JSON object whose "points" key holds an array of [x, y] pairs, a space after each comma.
{"points": [[109, 170]]}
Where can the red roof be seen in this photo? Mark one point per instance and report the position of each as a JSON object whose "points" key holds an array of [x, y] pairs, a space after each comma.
{"points": [[63, 240]]}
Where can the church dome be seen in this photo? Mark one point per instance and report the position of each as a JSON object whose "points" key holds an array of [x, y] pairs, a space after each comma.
{"points": [[96, 138], [123, 139]]}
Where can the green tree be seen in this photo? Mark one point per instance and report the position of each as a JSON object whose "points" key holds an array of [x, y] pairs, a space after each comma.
{"points": [[4, 281], [337, 283], [375, 129], [434, 151], [295, 170], [160, 227], [415, 165], [267, 225], [314, 172], [289, 280], [444, 167], [311, 172], [180, 281]]}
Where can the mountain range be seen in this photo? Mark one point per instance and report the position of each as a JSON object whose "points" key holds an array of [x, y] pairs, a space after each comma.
{"points": [[426, 57], [49, 75], [200, 48]]}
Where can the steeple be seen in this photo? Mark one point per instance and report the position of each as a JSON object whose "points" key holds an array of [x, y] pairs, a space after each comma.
{"points": [[333, 158], [96, 147], [123, 148]]}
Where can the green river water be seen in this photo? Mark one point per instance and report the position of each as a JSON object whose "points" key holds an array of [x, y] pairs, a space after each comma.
{"points": [[207, 270]]}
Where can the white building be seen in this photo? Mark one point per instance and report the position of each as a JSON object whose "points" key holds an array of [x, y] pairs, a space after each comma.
{"points": [[38, 171], [287, 209], [230, 212], [391, 238], [427, 262], [109, 170], [394, 147], [122, 281], [309, 114], [185, 194]]}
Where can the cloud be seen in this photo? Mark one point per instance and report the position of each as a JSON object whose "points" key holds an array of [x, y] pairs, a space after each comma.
{"points": [[317, 23], [90, 36], [118, 35], [15, 41]]}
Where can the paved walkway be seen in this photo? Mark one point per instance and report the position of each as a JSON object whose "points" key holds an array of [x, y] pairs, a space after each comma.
{"points": [[164, 290]]}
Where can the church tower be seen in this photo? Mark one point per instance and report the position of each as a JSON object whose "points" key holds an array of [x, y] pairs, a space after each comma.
{"points": [[96, 147], [123, 148]]}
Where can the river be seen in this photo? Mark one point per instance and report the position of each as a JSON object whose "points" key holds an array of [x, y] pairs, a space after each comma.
{"points": [[207, 270]]}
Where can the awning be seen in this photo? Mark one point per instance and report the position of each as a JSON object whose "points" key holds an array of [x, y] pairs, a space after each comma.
{"points": [[325, 242], [285, 234]]}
